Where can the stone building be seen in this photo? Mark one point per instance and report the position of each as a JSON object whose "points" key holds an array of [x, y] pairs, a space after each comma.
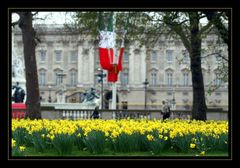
{"points": [[67, 66]]}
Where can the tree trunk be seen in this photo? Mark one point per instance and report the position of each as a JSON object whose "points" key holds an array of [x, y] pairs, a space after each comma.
{"points": [[28, 35], [199, 105]]}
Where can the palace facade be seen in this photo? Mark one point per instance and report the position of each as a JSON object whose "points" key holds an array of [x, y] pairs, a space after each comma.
{"points": [[68, 63]]}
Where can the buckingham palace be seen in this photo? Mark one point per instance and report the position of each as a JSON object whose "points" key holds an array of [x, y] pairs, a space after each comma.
{"points": [[68, 64]]}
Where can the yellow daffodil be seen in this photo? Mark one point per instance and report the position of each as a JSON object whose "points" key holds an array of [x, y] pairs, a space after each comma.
{"points": [[113, 128], [192, 146], [13, 143], [22, 148], [202, 153], [150, 137]]}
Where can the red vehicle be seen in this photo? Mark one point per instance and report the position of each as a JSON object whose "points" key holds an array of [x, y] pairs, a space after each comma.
{"points": [[18, 110]]}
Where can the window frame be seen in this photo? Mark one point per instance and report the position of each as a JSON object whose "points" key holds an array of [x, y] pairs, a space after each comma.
{"points": [[169, 78], [75, 55], [41, 54], [168, 56], [42, 77], [56, 52]]}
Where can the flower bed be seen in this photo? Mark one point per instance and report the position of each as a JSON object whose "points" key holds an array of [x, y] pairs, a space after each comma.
{"points": [[120, 135]]}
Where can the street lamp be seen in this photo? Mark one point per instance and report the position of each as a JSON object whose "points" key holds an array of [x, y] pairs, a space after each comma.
{"points": [[173, 100], [49, 98], [145, 90], [101, 75]]}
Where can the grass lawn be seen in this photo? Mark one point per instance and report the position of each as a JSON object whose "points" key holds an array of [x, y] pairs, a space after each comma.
{"points": [[75, 152]]}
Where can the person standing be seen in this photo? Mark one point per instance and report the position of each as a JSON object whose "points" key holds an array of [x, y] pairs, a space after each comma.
{"points": [[165, 110], [95, 114], [17, 94]]}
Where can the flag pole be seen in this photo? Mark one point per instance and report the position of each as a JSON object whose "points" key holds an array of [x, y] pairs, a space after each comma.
{"points": [[114, 87], [114, 95]]}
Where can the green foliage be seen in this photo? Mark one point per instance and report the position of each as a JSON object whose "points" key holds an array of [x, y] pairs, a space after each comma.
{"points": [[21, 135], [95, 141], [143, 143], [107, 153], [159, 144], [214, 143], [63, 143], [181, 143], [129, 143], [16, 151], [40, 141], [138, 25], [85, 23], [79, 139], [203, 143]]}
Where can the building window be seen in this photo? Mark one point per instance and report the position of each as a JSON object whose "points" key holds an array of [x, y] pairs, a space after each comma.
{"points": [[58, 77], [73, 77], [125, 57], [154, 57], [169, 79], [185, 93], [42, 55], [124, 77], [42, 77], [185, 78], [58, 55], [153, 78], [185, 56], [218, 94], [73, 56], [169, 54]]}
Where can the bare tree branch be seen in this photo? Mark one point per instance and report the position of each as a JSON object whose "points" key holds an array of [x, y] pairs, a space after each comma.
{"points": [[178, 29], [202, 17], [33, 14], [183, 21], [215, 18], [19, 20], [39, 19], [205, 28], [218, 55], [15, 23]]}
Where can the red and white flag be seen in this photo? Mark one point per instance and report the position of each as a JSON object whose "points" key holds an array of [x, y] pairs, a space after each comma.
{"points": [[116, 68], [106, 49]]}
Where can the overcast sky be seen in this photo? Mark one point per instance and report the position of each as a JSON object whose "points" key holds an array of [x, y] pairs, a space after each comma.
{"points": [[57, 18], [49, 18]]}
